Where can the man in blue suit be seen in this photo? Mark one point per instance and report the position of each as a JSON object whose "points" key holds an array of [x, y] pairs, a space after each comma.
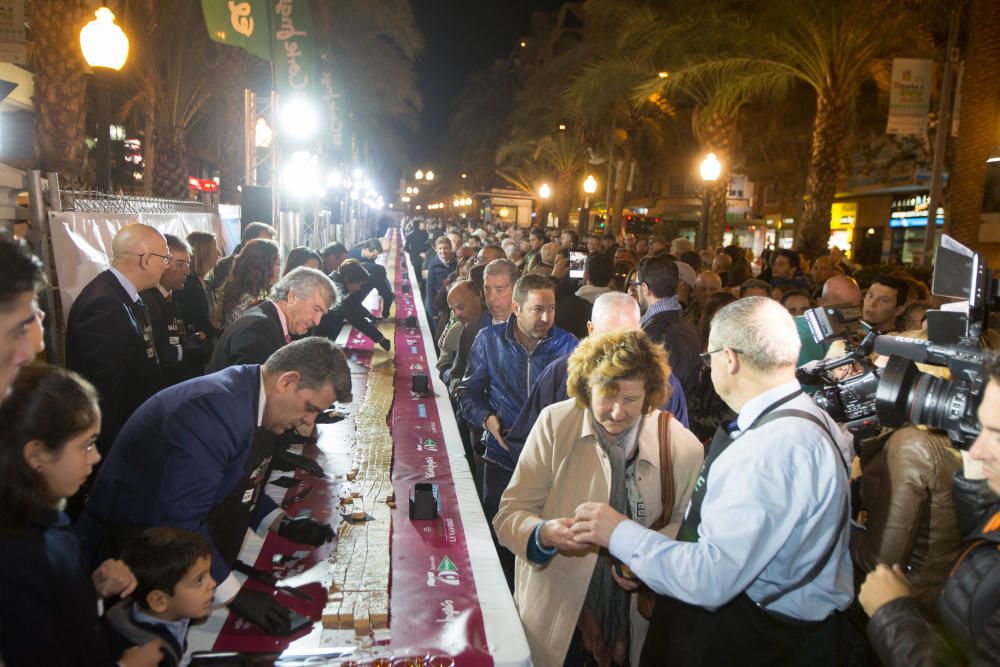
{"points": [[189, 458]]}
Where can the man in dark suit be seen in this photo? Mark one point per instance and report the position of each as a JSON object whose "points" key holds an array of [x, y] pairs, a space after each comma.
{"points": [[663, 319], [367, 253], [297, 304], [109, 340], [189, 458], [182, 353]]}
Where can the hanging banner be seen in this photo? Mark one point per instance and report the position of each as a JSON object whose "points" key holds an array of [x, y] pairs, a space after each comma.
{"points": [[279, 31], [245, 24], [294, 48], [910, 95]]}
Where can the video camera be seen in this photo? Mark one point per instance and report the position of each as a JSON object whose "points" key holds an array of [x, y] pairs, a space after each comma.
{"points": [[901, 393], [849, 400], [908, 395]]}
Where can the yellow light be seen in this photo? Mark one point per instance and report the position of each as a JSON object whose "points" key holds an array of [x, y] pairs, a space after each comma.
{"points": [[456, 203], [545, 191], [429, 175], [562, 127], [523, 44], [419, 175], [416, 191], [590, 185], [465, 175], [711, 168], [404, 199], [504, 213], [418, 207], [104, 44], [663, 75]]}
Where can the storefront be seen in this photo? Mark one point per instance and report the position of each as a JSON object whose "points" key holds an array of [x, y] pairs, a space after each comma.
{"points": [[908, 226]]}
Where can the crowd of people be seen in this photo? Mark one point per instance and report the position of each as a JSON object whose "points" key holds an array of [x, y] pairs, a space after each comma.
{"points": [[660, 486]]}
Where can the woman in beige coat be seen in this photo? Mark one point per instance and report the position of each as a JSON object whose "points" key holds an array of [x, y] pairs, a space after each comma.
{"points": [[601, 445]]}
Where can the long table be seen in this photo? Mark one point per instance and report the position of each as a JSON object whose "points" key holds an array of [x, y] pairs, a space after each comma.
{"points": [[448, 598]]}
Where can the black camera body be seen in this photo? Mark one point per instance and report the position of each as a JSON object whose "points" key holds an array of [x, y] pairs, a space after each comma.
{"points": [[848, 400]]}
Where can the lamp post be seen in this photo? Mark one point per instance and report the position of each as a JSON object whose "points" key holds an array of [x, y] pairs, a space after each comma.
{"points": [[710, 169], [589, 188], [544, 192], [105, 48]]}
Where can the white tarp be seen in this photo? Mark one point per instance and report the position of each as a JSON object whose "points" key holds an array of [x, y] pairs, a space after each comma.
{"points": [[81, 242]]}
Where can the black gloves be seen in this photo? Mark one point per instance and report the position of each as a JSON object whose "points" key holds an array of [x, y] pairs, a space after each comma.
{"points": [[262, 609], [385, 344], [285, 460], [305, 531]]}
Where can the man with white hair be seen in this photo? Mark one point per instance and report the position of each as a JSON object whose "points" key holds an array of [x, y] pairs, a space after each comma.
{"points": [[760, 567], [613, 311]]}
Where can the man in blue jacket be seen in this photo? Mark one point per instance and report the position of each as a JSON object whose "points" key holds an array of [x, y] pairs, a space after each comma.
{"points": [[505, 362], [438, 268], [188, 458]]}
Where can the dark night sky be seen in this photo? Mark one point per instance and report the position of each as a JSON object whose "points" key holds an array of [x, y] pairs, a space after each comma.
{"points": [[461, 37]]}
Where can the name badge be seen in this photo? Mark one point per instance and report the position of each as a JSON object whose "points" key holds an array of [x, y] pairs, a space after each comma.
{"points": [[247, 496], [175, 340]]}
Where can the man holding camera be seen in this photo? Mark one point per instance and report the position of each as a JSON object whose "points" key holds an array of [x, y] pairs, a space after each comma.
{"points": [[902, 632], [760, 567]]}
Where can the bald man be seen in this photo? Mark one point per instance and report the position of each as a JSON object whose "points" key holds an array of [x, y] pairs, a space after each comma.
{"points": [[613, 311], [839, 290], [109, 340]]}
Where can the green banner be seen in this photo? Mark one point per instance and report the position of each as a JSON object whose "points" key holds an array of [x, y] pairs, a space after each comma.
{"points": [[245, 24], [294, 48]]}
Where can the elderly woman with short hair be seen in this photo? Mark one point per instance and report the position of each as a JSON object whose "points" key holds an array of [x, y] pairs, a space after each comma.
{"points": [[604, 445]]}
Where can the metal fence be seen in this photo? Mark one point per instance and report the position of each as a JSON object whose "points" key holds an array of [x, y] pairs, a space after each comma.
{"points": [[93, 200]]}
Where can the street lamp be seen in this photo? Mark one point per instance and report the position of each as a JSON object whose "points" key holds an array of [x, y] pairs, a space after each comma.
{"points": [[710, 170], [589, 188], [105, 48], [429, 175], [545, 191], [419, 175]]}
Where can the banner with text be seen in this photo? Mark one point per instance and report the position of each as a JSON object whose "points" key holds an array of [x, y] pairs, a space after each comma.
{"points": [[910, 95]]}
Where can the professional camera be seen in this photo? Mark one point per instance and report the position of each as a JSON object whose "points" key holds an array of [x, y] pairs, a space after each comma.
{"points": [[847, 399], [907, 395]]}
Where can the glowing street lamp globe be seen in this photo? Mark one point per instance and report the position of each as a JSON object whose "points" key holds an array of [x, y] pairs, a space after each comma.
{"points": [[545, 191], [590, 185], [711, 168], [103, 43]]}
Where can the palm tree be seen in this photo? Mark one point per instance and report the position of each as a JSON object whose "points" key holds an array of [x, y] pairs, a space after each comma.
{"points": [[977, 122], [60, 87], [832, 47]]}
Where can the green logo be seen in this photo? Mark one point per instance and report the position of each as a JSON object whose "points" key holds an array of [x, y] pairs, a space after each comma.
{"points": [[447, 566]]}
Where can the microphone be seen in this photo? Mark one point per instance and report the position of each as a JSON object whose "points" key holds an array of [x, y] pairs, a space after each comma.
{"points": [[913, 349]]}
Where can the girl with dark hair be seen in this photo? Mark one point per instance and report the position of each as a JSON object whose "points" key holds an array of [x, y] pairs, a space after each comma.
{"points": [[302, 256], [48, 434], [255, 271]]}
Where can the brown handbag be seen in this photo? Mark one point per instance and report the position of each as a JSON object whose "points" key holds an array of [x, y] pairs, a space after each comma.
{"points": [[647, 598]]}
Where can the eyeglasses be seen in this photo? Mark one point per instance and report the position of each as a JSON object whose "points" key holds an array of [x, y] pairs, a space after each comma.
{"points": [[183, 262], [706, 357], [166, 258], [636, 283]]}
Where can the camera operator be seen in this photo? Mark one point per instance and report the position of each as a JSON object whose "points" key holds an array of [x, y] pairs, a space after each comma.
{"points": [[966, 626]]}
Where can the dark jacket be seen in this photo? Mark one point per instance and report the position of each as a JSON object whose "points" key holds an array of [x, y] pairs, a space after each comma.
{"points": [[196, 304], [48, 613], [906, 489], [453, 375], [500, 376], [551, 388], [348, 307], [669, 329], [966, 628], [437, 271], [179, 457], [181, 356], [222, 268], [573, 313], [251, 339], [123, 632], [377, 279], [110, 343]]}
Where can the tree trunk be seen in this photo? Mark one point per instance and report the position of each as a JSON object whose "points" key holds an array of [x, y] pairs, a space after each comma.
{"points": [[564, 198], [231, 137], [60, 88], [717, 134], [977, 127], [812, 232], [620, 183], [171, 168]]}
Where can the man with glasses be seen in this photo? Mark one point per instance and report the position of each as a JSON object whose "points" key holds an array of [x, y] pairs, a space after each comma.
{"points": [[182, 355], [109, 338], [760, 567]]}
